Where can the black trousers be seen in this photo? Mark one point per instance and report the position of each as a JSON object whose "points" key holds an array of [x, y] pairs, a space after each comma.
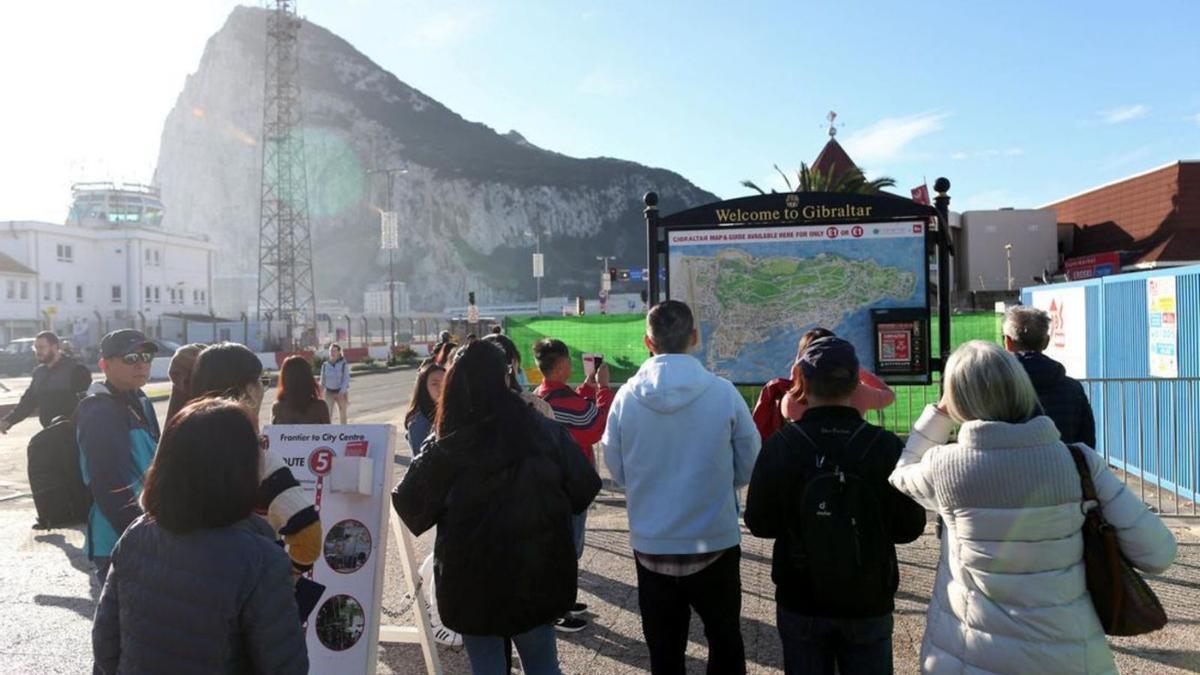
{"points": [[715, 592]]}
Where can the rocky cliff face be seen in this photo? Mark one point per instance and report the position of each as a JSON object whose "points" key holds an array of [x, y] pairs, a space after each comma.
{"points": [[466, 202]]}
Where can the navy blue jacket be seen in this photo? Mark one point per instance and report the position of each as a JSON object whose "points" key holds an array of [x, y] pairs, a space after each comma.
{"points": [[1062, 398], [210, 601]]}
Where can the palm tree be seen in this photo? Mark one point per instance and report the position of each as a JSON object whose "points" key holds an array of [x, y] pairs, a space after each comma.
{"points": [[813, 180]]}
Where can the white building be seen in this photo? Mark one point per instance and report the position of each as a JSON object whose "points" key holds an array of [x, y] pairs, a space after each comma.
{"points": [[991, 244], [375, 299], [110, 265]]}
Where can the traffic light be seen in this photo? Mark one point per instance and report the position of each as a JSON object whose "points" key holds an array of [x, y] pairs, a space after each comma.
{"points": [[471, 298]]}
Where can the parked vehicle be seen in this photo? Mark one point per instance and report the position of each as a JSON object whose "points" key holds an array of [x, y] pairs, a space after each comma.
{"points": [[18, 358]]}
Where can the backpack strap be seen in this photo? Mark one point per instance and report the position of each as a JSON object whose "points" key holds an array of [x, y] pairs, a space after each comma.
{"points": [[796, 433]]}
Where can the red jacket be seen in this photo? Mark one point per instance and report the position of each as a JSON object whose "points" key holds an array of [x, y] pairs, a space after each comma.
{"points": [[584, 412], [872, 393]]}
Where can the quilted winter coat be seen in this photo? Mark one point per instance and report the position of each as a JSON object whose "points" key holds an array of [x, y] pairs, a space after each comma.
{"points": [[1010, 594], [210, 601]]}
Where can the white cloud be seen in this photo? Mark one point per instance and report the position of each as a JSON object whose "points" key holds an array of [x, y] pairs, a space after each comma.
{"points": [[1123, 113], [886, 139], [1006, 152]]}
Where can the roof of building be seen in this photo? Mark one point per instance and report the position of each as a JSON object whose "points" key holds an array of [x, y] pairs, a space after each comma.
{"points": [[9, 265], [833, 160]]}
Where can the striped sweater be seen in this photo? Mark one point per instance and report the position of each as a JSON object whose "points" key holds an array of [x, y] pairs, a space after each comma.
{"points": [[584, 411], [290, 512]]}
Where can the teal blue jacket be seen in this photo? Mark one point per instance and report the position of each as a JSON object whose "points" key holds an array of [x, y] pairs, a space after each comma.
{"points": [[117, 434]]}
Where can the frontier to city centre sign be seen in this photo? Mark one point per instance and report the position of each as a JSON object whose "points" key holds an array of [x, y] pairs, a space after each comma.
{"points": [[792, 214]]}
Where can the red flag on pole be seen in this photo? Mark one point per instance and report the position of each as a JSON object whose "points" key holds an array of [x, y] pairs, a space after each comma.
{"points": [[920, 194]]}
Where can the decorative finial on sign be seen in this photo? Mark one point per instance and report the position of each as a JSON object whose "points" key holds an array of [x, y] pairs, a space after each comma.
{"points": [[832, 129]]}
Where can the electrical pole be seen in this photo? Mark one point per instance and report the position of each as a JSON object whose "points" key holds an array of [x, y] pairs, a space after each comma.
{"points": [[285, 274]]}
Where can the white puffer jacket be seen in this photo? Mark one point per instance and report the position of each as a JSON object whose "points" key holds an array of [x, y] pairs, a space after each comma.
{"points": [[1010, 594]]}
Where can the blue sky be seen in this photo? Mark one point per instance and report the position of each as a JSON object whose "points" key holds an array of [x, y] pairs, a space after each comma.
{"points": [[1018, 103]]}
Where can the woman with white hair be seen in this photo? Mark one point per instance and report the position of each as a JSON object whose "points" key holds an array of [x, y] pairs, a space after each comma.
{"points": [[1010, 594]]}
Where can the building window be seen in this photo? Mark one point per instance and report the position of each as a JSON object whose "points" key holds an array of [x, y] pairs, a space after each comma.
{"points": [[153, 258], [12, 289], [79, 293], [148, 294], [65, 252], [58, 291], [45, 290], [116, 294], [157, 297], [157, 259], [24, 290]]}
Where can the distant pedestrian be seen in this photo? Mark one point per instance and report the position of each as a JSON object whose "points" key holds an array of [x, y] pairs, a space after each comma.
{"points": [[681, 441], [782, 399], [1027, 334], [335, 380], [501, 483], [584, 412], [117, 431], [1010, 594], [180, 372], [820, 490], [57, 385], [422, 406], [299, 398], [230, 370], [197, 584]]}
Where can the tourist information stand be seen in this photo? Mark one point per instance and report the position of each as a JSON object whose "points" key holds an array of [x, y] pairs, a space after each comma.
{"points": [[347, 471], [760, 271]]}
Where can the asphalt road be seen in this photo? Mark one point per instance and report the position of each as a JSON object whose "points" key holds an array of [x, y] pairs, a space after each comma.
{"points": [[47, 593]]}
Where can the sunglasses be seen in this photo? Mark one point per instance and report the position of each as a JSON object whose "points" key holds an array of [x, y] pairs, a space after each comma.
{"points": [[138, 357]]}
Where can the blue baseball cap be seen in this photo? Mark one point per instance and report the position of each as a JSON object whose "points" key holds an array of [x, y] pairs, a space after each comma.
{"points": [[830, 358], [125, 341]]}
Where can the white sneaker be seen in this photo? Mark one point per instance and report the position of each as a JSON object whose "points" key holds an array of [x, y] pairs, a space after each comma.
{"points": [[441, 634]]}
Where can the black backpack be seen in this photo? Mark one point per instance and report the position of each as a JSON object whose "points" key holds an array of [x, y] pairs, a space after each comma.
{"points": [[838, 535], [55, 476]]}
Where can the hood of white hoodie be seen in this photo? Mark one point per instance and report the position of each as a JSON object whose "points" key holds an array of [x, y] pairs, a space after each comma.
{"points": [[670, 382]]}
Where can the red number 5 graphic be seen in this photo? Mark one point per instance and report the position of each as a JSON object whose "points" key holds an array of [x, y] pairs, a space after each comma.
{"points": [[320, 462]]}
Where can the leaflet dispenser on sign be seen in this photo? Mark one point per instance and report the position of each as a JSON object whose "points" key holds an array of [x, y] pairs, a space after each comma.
{"points": [[901, 345], [353, 473]]}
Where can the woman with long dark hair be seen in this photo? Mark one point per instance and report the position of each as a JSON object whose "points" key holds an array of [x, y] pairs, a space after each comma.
{"points": [[197, 583], [422, 407], [230, 370], [299, 398], [516, 479], [782, 399]]}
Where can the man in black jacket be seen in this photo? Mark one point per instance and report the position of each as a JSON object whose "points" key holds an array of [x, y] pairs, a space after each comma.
{"points": [[1026, 334], [820, 489], [58, 384]]}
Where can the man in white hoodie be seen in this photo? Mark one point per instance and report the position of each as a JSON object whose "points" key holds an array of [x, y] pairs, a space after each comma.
{"points": [[681, 441]]}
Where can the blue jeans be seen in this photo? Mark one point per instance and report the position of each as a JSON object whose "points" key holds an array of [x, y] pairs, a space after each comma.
{"points": [[539, 653], [813, 644]]}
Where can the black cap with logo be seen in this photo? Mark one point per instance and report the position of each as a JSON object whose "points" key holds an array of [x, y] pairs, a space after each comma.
{"points": [[125, 341]]}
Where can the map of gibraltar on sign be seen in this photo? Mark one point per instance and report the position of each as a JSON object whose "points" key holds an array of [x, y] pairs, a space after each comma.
{"points": [[755, 291]]}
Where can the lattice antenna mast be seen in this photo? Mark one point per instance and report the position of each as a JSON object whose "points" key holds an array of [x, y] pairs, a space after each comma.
{"points": [[285, 276]]}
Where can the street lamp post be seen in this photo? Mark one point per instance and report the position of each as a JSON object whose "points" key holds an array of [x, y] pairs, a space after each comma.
{"points": [[390, 241], [539, 265], [1008, 264], [605, 280]]}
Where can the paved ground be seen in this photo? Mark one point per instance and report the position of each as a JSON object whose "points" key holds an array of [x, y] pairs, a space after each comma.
{"points": [[47, 595]]}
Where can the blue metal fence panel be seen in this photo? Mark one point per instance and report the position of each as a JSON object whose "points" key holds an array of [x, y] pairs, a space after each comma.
{"points": [[1149, 427]]}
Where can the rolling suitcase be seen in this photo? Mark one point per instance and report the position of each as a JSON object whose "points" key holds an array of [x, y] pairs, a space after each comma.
{"points": [[55, 478]]}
